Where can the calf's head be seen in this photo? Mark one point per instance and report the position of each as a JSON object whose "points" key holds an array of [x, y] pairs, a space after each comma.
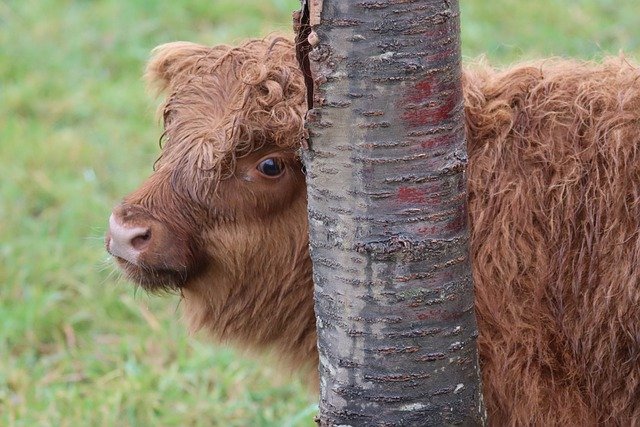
{"points": [[222, 218]]}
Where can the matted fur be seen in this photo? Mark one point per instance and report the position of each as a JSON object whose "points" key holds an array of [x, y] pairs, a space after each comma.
{"points": [[554, 207]]}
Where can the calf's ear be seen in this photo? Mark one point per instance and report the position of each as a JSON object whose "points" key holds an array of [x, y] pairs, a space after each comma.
{"points": [[170, 62]]}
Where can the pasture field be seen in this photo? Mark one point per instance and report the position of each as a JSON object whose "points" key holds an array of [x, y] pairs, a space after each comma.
{"points": [[78, 345]]}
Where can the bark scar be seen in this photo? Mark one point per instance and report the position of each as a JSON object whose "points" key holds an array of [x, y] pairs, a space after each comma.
{"points": [[302, 27], [315, 10]]}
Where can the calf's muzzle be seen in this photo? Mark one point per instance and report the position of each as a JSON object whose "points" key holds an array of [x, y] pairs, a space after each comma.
{"points": [[127, 242], [150, 252]]}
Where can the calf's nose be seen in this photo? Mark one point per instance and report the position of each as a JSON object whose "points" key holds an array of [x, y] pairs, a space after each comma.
{"points": [[127, 242]]}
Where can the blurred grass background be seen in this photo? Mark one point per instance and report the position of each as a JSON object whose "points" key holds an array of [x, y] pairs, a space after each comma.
{"points": [[77, 132]]}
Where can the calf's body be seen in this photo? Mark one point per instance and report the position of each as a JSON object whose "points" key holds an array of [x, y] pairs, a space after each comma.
{"points": [[554, 209]]}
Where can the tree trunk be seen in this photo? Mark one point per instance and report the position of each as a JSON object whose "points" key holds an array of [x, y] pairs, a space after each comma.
{"points": [[387, 213]]}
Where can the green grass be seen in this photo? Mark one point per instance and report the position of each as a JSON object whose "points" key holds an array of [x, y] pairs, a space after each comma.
{"points": [[77, 345]]}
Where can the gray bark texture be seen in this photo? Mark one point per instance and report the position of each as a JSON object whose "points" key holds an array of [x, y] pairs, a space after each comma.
{"points": [[387, 213]]}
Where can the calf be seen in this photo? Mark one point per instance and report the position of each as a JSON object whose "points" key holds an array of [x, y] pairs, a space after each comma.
{"points": [[554, 209]]}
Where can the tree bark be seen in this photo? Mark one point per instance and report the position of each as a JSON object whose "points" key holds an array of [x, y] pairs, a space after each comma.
{"points": [[387, 213]]}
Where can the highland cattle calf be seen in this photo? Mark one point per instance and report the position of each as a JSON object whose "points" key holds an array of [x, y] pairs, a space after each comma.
{"points": [[554, 207]]}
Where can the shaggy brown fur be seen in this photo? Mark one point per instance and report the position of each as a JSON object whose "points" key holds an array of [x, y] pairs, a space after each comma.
{"points": [[554, 192], [554, 201]]}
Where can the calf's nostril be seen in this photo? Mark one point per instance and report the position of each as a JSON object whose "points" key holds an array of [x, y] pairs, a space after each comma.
{"points": [[127, 242], [140, 241]]}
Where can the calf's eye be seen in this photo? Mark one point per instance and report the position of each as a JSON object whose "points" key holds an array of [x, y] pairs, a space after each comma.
{"points": [[271, 167]]}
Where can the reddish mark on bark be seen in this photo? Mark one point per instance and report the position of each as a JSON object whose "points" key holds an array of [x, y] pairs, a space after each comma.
{"points": [[438, 141], [429, 231], [411, 195], [430, 115], [421, 91], [450, 225], [459, 222], [428, 88], [443, 55]]}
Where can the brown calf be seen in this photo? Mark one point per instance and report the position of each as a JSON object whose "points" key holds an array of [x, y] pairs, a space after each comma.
{"points": [[554, 202]]}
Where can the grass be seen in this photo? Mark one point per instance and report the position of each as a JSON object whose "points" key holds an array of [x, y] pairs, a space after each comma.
{"points": [[77, 345]]}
